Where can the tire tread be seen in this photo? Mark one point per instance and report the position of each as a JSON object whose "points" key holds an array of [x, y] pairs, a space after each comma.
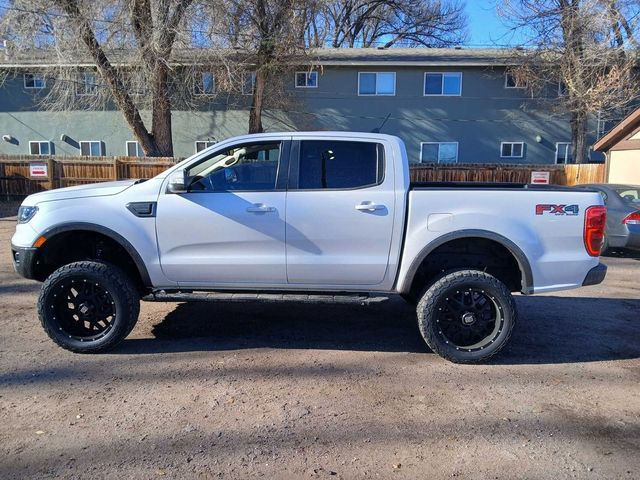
{"points": [[433, 294], [125, 285]]}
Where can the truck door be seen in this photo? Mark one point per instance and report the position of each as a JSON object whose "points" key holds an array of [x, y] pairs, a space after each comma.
{"points": [[340, 206], [228, 229]]}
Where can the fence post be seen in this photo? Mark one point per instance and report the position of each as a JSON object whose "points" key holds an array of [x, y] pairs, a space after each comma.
{"points": [[51, 170], [114, 174]]}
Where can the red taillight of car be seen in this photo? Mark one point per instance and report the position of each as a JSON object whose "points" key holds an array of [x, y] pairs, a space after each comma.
{"points": [[632, 219], [595, 219]]}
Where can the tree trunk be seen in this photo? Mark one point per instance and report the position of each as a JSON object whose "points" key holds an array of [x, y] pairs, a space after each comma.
{"points": [[110, 74], [257, 102], [161, 112], [579, 137]]}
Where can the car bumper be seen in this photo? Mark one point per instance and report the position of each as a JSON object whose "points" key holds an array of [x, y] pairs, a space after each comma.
{"points": [[633, 240], [595, 275], [24, 260], [630, 239]]}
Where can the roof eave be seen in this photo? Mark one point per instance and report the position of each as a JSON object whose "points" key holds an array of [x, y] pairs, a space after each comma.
{"points": [[619, 132]]}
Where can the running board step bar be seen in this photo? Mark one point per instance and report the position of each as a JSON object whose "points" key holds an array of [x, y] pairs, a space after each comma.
{"points": [[350, 299]]}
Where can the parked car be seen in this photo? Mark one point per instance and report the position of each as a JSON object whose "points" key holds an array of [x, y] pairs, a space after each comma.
{"points": [[623, 214], [328, 215]]}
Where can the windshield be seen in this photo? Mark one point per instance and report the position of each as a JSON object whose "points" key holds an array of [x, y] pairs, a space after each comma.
{"points": [[630, 195]]}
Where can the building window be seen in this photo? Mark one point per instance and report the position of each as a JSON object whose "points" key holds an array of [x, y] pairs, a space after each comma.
{"points": [[562, 89], [40, 148], [205, 84], [564, 152], [443, 84], [306, 79], [512, 149], [439, 152], [510, 81], [248, 83], [133, 84], [134, 149], [202, 144], [87, 84], [376, 83], [35, 81], [92, 148]]}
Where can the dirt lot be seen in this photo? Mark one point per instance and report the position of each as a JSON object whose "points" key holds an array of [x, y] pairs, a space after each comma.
{"points": [[302, 391]]}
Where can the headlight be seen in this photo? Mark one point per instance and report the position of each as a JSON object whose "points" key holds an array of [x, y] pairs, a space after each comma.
{"points": [[26, 213]]}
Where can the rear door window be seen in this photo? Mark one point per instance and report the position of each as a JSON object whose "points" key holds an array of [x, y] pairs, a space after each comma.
{"points": [[334, 164]]}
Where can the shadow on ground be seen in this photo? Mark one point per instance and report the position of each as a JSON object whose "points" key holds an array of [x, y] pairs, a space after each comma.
{"points": [[622, 253], [550, 330]]}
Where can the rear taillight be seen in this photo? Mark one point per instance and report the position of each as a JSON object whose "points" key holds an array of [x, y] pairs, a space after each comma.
{"points": [[594, 222], [632, 219]]}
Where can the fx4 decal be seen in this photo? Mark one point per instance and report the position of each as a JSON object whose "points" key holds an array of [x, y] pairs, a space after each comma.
{"points": [[572, 210]]}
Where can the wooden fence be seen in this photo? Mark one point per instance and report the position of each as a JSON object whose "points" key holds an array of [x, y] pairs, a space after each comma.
{"points": [[558, 174], [16, 179]]}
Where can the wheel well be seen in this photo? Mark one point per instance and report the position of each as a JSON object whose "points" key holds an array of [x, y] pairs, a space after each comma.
{"points": [[77, 245], [470, 253]]}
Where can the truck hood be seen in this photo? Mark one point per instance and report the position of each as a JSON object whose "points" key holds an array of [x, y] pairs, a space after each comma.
{"points": [[81, 191]]}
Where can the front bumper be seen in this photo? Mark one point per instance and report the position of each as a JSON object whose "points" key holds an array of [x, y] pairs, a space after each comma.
{"points": [[24, 260], [595, 275]]}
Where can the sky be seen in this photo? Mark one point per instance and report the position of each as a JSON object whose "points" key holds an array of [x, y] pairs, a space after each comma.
{"points": [[486, 28]]}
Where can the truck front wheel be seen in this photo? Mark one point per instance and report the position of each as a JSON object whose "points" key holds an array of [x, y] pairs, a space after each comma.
{"points": [[467, 316], [88, 307]]}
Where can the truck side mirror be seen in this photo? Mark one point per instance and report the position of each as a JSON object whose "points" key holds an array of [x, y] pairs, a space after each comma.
{"points": [[177, 182]]}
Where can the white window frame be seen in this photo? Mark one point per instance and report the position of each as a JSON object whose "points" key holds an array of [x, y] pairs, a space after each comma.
{"points": [[512, 144], [139, 151], [244, 82], [100, 142], [199, 88], [35, 76], [306, 74], [516, 86], [208, 143], [83, 81], [567, 146], [377, 94], [457, 144], [39, 142], [424, 85]]}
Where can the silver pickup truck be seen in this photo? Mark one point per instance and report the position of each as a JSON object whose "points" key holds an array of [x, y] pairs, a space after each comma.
{"points": [[324, 213]]}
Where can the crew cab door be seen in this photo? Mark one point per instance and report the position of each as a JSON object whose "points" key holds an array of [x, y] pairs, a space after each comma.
{"points": [[228, 228], [340, 210]]}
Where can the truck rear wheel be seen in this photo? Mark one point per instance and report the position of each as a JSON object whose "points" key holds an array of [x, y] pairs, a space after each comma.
{"points": [[467, 316], [88, 307]]}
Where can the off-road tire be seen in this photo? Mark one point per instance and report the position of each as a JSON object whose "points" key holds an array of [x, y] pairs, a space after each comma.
{"points": [[119, 286], [428, 314]]}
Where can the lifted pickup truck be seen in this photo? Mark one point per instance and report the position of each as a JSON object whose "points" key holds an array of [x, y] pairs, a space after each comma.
{"points": [[325, 214]]}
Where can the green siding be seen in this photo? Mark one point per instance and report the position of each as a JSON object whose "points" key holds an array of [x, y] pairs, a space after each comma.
{"points": [[485, 115]]}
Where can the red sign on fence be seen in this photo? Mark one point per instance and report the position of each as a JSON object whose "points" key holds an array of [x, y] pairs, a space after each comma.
{"points": [[38, 170], [540, 177]]}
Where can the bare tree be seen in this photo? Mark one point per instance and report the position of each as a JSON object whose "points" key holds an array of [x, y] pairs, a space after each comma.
{"points": [[145, 30], [268, 36], [577, 49], [387, 23]]}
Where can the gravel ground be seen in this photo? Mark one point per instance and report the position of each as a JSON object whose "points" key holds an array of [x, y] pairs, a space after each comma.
{"points": [[305, 391]]}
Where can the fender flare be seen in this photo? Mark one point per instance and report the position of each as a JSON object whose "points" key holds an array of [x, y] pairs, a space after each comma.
{"points": [[526, 273], [107, 232]]}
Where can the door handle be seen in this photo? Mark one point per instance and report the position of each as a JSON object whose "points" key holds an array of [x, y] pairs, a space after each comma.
{"points": [[369, 207], [260, 208]]}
